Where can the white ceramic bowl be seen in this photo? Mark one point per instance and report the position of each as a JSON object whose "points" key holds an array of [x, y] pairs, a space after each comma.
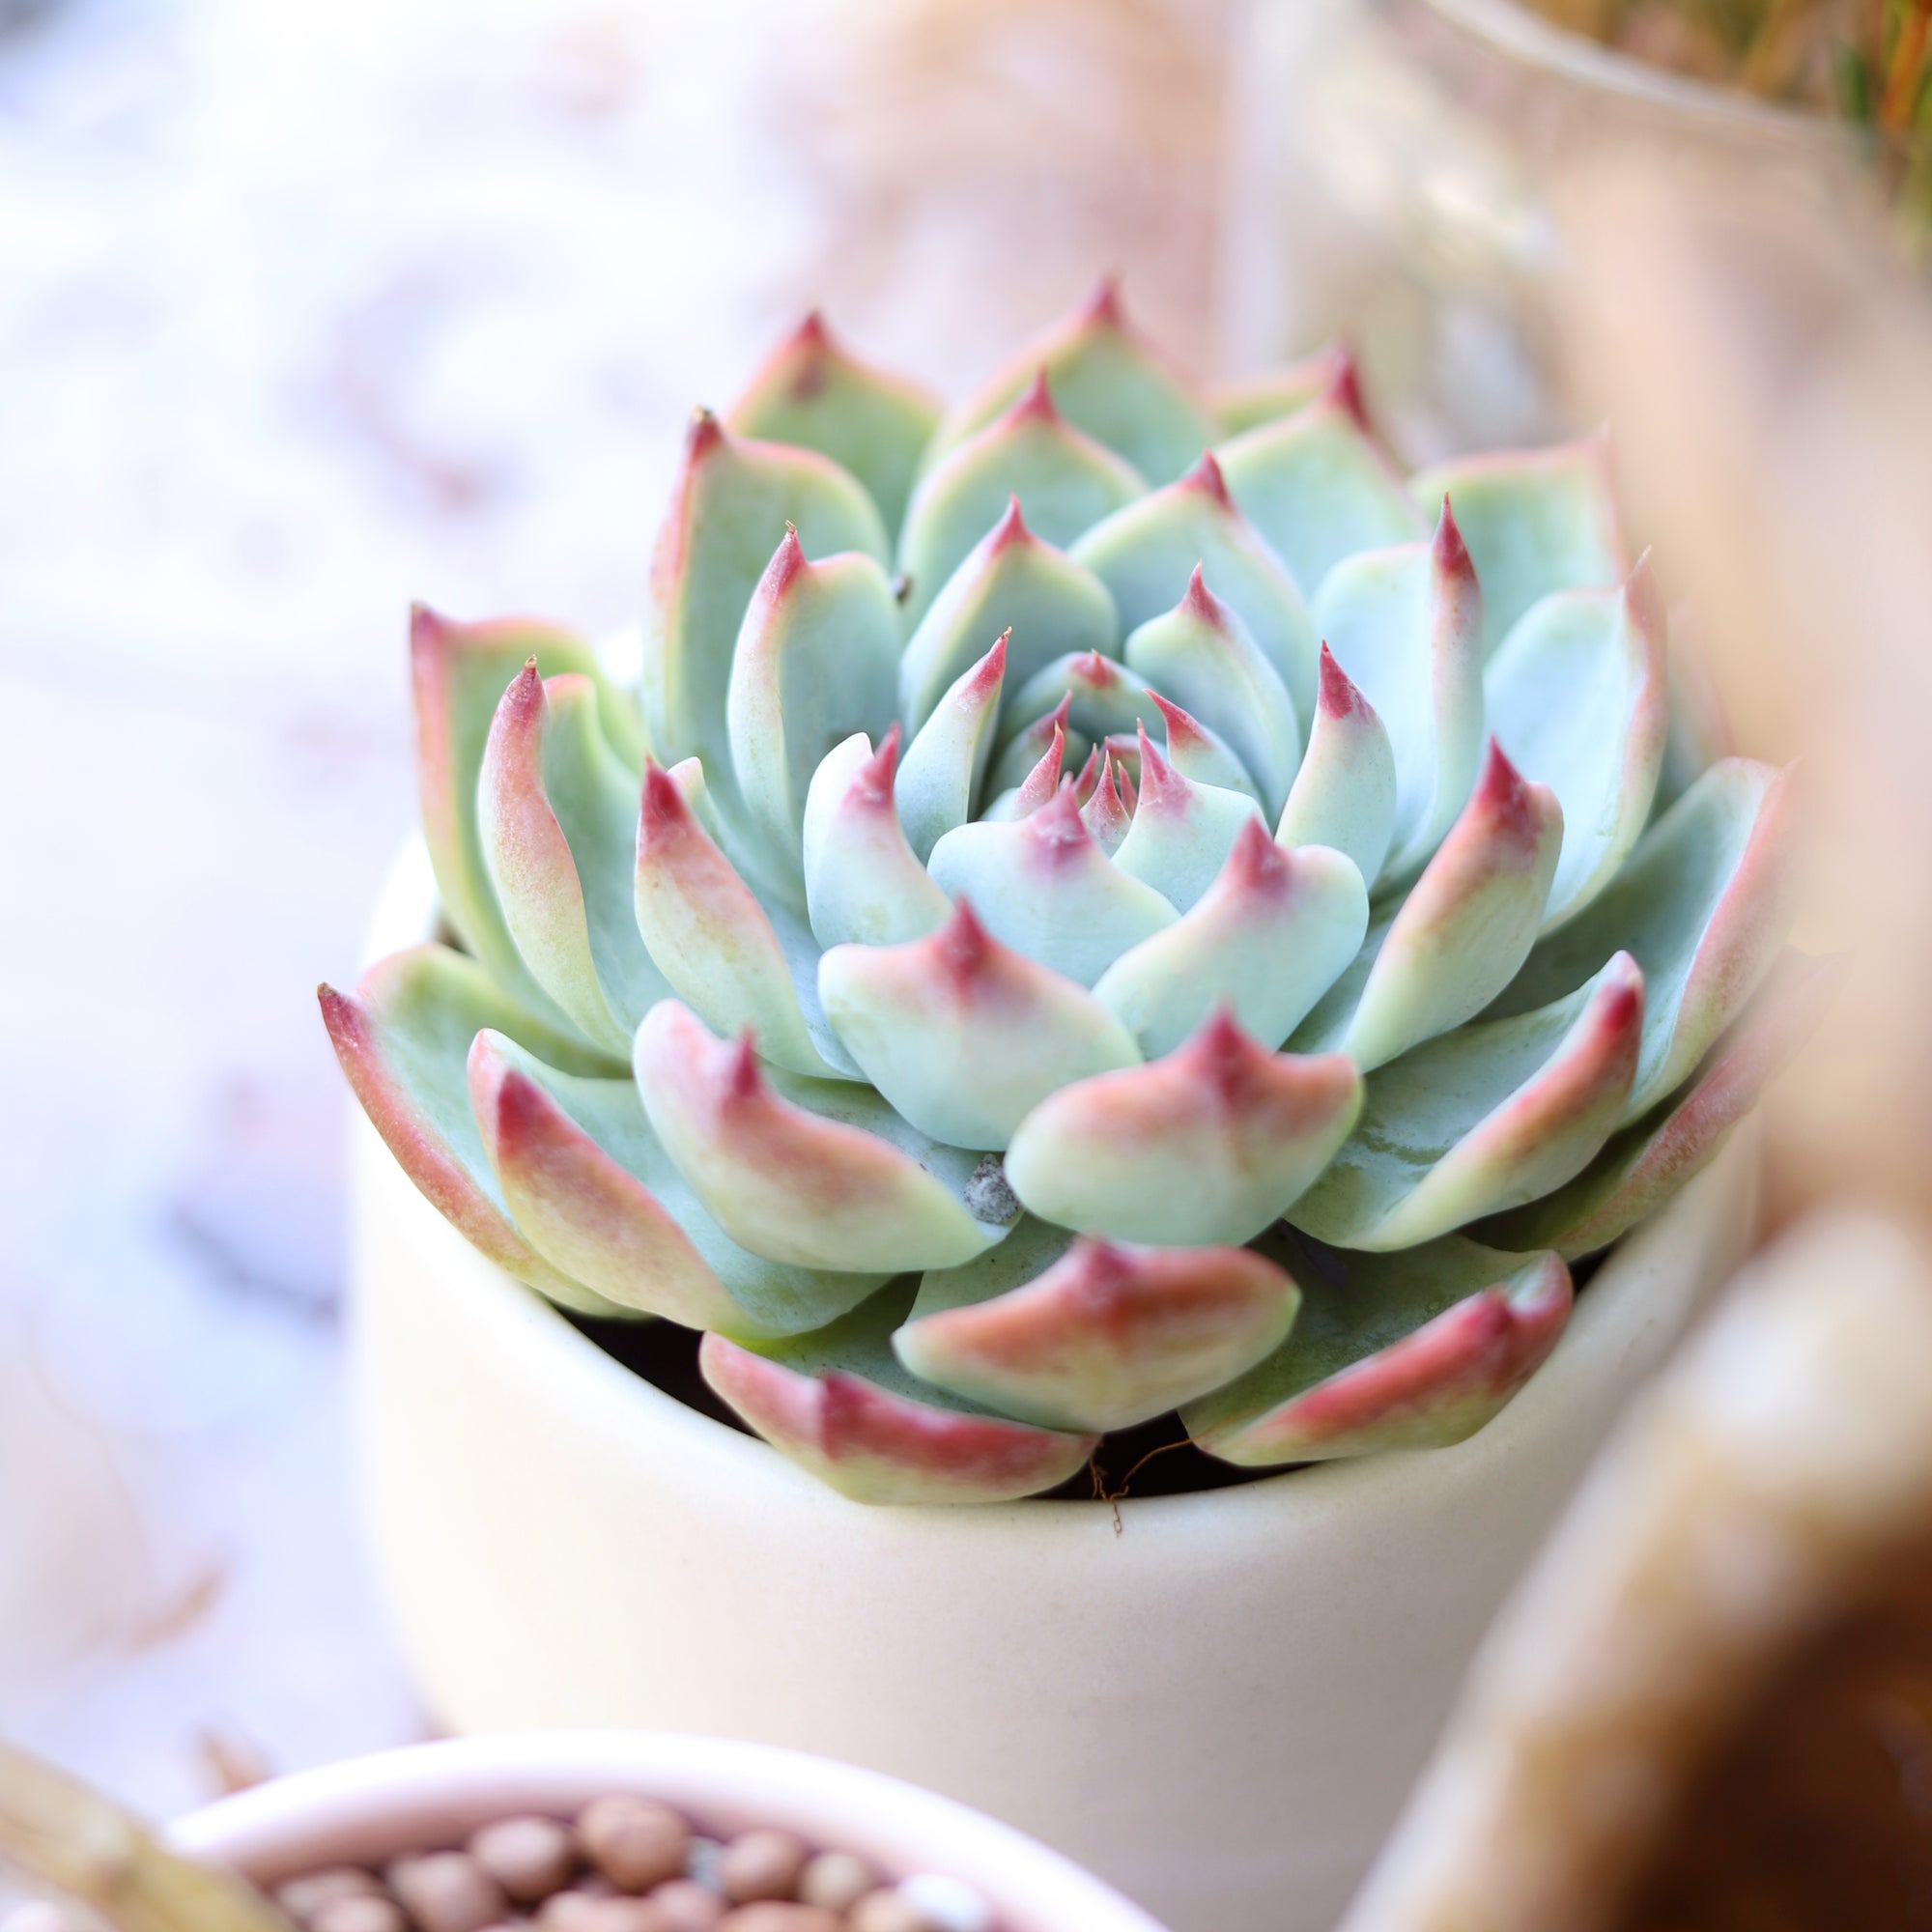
{"points": [[1218, 1706], [371, 1808]]}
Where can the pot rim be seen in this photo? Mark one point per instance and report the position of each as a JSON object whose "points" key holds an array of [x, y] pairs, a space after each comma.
{"points": [[1267, 1505], [367, 1808]]}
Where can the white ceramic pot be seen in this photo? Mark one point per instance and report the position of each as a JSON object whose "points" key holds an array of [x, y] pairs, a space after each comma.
{"points": [[371, 1808], [1218, 1703]]}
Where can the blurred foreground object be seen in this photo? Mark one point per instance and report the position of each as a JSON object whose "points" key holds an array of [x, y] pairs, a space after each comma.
{"points": [[1392, 169], [1711, 1705], [63, 1834], [1775, 417]]}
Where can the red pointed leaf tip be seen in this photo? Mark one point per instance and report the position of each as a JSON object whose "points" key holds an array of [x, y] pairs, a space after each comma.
{"points": [[428, 631], [1345, 387], [1035, 403], [1339, 696], [1058, 830], [704, 434], [1103, 307], [1256, 864], [1088, 778], [1223, 1055], [963, 947], [740, 1078], [1184, 731], [1200, 604], [523, 696], [1010, 530], [663, 805], [1159, 783], [789, 563], [1450, 555], [1207, 479], [1041, 784], [1616, 1008], [1502, 793], [872, 782]]}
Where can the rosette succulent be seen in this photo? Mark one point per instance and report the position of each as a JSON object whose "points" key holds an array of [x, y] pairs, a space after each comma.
{"points": [[1102, 902]]}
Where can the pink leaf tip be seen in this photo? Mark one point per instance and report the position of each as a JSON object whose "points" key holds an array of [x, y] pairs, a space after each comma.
{"points": [[1041, 784], [1035, 403], [1449, 554], [704, 436], [963, 946], [1206, 480], [1103, 307], [1345, 387], [1200, 603], [1339, 696], [742, 1079], [1009, 529], [663, 805], [874, 780]]}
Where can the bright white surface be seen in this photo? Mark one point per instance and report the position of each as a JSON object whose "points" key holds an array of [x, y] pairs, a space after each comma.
{"points": [[371, 1808]]}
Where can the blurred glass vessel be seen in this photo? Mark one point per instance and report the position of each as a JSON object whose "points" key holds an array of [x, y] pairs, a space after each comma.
{"points": [[1391, 166]]}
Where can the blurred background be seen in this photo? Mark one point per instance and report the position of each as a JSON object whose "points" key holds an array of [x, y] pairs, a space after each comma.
{"points": [[313, 309]]}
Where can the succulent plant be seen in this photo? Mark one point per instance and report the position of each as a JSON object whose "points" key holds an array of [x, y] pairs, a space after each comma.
{"points": [[1104, 901]]}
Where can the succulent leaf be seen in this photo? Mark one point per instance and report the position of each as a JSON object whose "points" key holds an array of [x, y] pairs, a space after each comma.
{"points": [[1344, 795], [1576, 696], [812, 392], [816, 658], [1107, 379], [1458, 939], [1100, 699], [556, 816], [1208, 1144], [1105, 814], [1183, 832], [962, 1035], [1196, 752], [1535, 520], [1408, 1351], [1046, 605], [593, 1190], [458, 673], [863, 882], [1405, 625], [1104, 1337], [1031, 460], [838, 1404], [729, 510], [1146, 553], [1481, 1119], [1267, 938], [1318, 487], [403, 1037], [1702, 906], [1249, 403], [1648, 1161], [1040, 885], [945, 766], [820, 1174], [1201, 655], [1041, 783], [718, 948]]}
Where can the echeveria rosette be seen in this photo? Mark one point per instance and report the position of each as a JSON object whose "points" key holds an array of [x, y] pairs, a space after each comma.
{"points": [[1102, 904]]}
